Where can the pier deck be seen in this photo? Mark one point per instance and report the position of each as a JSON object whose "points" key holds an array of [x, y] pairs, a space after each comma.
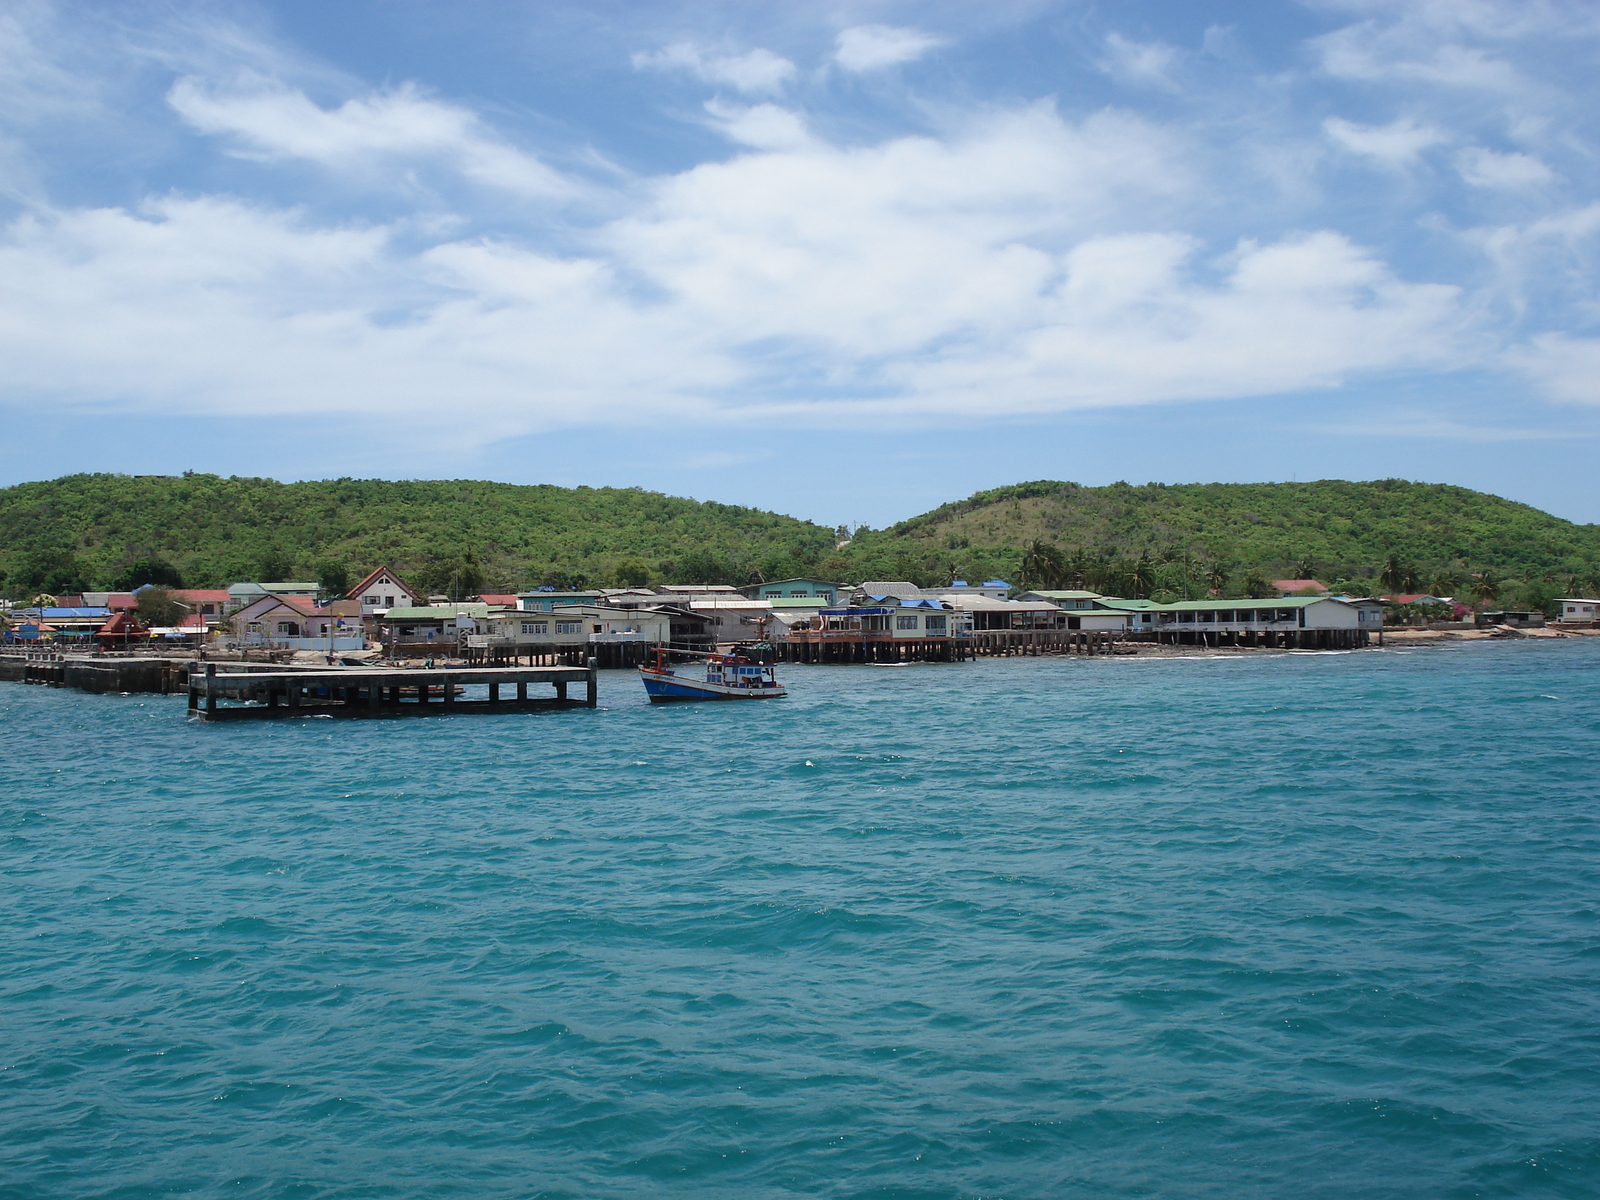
{"points": [[374, 692]]}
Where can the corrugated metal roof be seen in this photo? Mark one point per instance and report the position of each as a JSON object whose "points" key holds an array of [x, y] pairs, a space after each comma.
{"points": [[889, 587], [436, 612], [992, 604], [1274, 602], [742, 602]]}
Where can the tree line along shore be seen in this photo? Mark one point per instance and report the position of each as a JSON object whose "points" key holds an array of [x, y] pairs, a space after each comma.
{"points": [[464, 537]]}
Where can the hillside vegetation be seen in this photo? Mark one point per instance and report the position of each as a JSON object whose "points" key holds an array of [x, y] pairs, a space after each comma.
{"points": [[1193, 538], [459, 536], [463, 536]]}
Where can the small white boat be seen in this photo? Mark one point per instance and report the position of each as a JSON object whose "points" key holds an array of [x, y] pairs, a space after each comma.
{"points": [[714, 677]]}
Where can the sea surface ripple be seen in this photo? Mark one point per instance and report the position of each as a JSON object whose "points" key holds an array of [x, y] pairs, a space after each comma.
{"points": [[1310, 925]]}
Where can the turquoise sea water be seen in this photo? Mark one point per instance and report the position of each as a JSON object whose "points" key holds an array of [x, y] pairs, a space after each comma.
{"points": [[1289, 926]]}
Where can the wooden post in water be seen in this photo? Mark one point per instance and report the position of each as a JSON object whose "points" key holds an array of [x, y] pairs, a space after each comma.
{"points": [[211, 695], [593, 698]]}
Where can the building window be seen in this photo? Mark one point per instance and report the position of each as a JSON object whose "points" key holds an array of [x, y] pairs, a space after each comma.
{"points": [[374, 600], [531, 627], [905, 622], [388, 601], [936, 625], [569, 626], [797, 595]]}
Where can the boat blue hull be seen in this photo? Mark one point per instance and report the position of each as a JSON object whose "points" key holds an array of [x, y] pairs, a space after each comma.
{"points": [[660, 689]]}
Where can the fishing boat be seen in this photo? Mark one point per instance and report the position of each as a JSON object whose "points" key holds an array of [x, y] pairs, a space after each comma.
{"points": [[713, 677]]}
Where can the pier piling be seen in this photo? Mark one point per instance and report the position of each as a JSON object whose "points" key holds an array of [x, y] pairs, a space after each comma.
{"points": [[333, 692]]}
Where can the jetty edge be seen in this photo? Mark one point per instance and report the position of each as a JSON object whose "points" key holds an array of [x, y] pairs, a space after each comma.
{"points": [[383, 692]]}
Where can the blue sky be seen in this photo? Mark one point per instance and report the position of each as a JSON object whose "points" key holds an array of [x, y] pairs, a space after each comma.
{"points": [[843, 260]]}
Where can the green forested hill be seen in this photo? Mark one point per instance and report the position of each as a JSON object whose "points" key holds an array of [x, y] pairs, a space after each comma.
{"points": [[465, 536], [1438, 536], [89, 530]]}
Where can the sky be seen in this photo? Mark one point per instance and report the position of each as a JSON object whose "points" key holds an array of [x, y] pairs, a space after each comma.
{"points": [[846, 260]]}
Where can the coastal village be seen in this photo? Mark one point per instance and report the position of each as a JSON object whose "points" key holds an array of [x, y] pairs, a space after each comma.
{"points": [[384, 618]]}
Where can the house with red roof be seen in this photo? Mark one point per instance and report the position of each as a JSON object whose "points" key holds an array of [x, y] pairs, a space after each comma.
{"points": [[1298, 587], [382, 590], [299, 623], [120, 629], [210, 603], [115, 601]]}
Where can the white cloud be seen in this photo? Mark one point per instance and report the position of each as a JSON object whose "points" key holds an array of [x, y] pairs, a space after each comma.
{"points": [[765, 126], [219, 308], [1449, 43], [1394, 145], [1139, 62], [754, 71], [269, 121], [1491, 169], [878, 250], [1007, 267], [870, 47], [1133, 320], [1566, 368]]}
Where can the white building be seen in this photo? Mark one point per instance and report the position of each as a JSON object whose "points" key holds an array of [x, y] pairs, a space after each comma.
{"points": [[905, 620], [1293, 621], [382, 590], [988, 613], [1578, 611], [592, 623], [1070, 600], [732, 617]]}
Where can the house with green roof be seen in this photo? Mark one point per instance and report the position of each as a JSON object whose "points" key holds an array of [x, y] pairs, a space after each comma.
{"points": [[1303, 622]]}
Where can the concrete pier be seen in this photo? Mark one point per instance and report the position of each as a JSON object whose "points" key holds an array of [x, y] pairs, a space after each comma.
{"points": [[220, 695]]}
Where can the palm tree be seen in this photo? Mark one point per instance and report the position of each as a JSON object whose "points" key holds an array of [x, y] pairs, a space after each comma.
{"points": [[1098, 572], [1444, 582], [1075, 570], [1303, 568], [1041, 566], [1141, 576], [1486, 587], [1397, 576], [1216, 577]]}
